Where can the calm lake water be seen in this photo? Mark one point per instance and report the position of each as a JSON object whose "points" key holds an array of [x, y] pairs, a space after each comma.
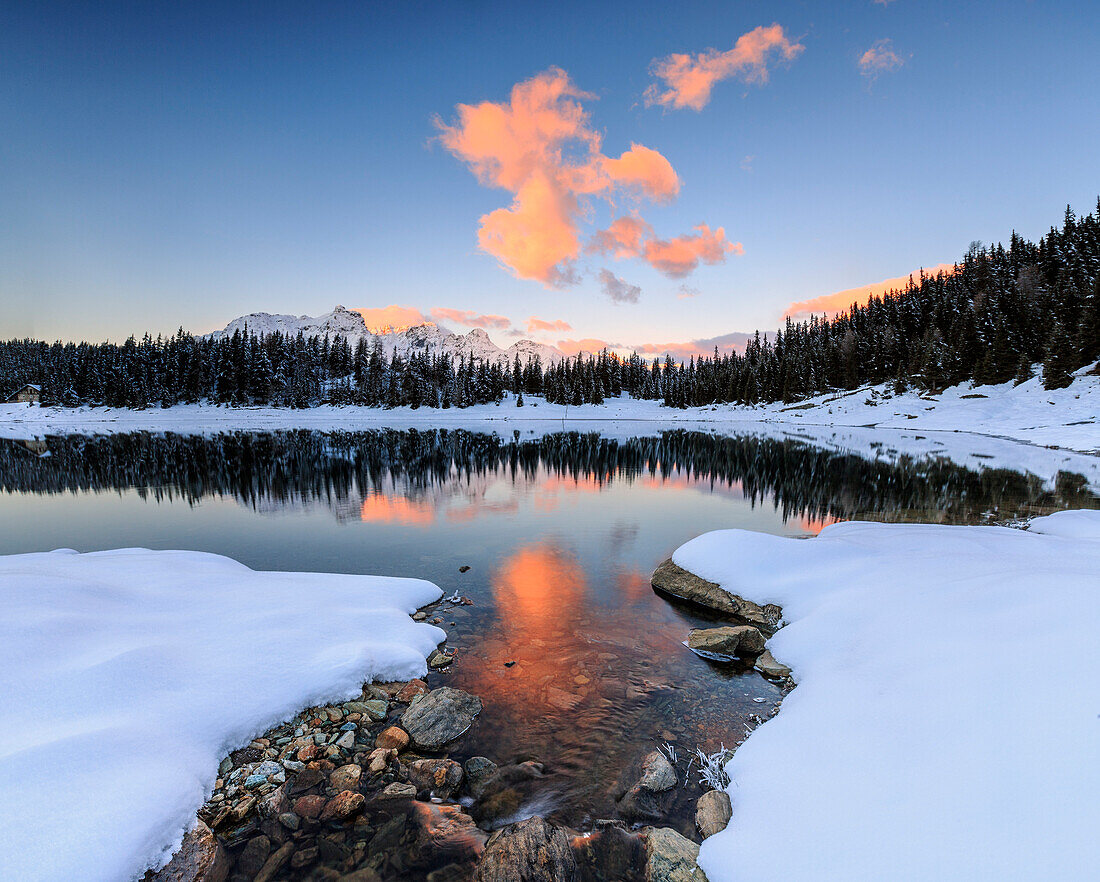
{"points": [[578, 663]]}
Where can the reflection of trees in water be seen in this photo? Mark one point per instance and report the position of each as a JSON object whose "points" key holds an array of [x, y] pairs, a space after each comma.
{"points": [[339, 468]]}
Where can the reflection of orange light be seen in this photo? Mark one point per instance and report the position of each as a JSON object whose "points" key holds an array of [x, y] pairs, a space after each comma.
{"points": [[813, 526], [537, 586], [379, 509]]}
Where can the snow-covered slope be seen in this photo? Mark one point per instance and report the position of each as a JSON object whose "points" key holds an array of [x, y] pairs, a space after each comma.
{"points": [[428, 338], [127, 675], [944, 725]]}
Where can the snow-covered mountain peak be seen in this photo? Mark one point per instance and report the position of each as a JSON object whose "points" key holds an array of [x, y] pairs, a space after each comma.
{"points": [[427, 338]]}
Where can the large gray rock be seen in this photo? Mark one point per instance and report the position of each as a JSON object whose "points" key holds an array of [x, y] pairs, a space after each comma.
{"points": [[440, 716], [201, 858], [726, 643], [670, 857], [769, 667], [675, 580], [657, 773], [530, 851], [713, 812]]}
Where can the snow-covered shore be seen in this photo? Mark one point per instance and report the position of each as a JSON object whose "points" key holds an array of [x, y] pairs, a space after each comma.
{"points": [[1065, 418], [945, 719], [127, 675]]}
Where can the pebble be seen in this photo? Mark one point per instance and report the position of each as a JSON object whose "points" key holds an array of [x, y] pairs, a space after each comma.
{"points": [[349, 727], [347, 740], [393, 737]]}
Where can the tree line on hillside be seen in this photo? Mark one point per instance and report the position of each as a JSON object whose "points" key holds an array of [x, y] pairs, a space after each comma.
{"points": [[997, 314], [338, 469]]}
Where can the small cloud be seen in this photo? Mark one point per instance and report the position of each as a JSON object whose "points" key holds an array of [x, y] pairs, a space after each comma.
{"points": [[882, 2], [725, 343], [746, 163], [880, 58], [471, 319], [618, 290], [839, 301], [586, 344], [392, 316], [686, 292], [688, 79], [678, 257], [623, 239], [535, 324]]}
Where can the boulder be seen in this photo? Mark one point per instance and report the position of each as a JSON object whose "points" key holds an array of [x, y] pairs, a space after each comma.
{"points": [[658, 775], [670, 857], [440, 716], [479, 771], [678, 582], [530, 851], [200, 858], [770, 668], [726, 643], [441, 777], [713, 812]]}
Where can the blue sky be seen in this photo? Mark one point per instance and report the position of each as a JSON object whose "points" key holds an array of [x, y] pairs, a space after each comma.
{"points": [[166, 164]]}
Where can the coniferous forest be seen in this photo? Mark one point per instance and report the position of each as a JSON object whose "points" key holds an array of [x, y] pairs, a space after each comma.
{"points": [[1001, 311]]}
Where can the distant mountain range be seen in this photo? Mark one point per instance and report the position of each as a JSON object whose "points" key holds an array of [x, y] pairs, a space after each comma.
{"points": [[428, 338]]}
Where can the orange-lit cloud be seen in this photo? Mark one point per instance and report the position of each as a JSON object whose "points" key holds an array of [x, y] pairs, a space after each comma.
{"points": [[832, 304], [686, 292], [677, 257], [535, 324], [471, 319], [688, 79], [880, 58], [587, 344], [705, 346], [541, 147], [391, 316], [624, 238]]}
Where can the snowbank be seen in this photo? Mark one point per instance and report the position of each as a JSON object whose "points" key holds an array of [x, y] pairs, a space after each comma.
{"points": [[125, 676], [1065, 418], [945, 722]]}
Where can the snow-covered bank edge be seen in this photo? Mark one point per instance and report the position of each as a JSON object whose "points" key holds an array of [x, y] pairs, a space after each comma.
{"points": [[129, 674], [1064, 418], [904, 752]]}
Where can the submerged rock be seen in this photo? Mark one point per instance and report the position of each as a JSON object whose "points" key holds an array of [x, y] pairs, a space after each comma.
{"points": [[769, 667], [201, 858], [479, 771], [713, 812], [726, 643], [530, 851], [678, 582], [670, 857], [440, 716]]}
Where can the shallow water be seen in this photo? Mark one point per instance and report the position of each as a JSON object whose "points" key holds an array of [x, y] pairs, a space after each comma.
{"points": [[578, 663]]}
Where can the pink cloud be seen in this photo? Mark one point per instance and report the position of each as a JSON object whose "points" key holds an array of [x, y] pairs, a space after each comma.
{"points": [[840, 301], [535, 325], [677, 257], [391, 316], [688, 79], [880, 58], [541, 147], [624, 238], [587, 344], [705, 346], [471, 319]]}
